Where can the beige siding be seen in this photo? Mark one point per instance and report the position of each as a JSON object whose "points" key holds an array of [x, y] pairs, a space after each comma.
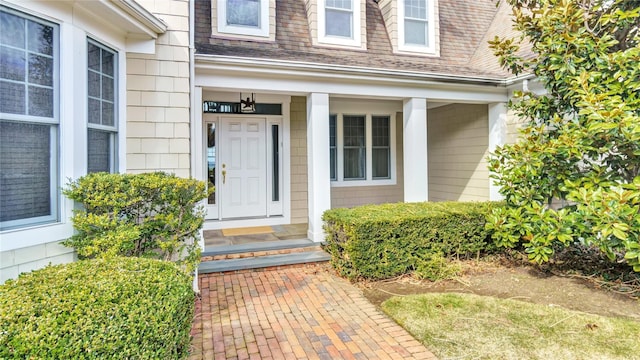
{"points": [[158, 96], [362, 195], [514, 123], [15, 262], [458, 138], [298, 123]]}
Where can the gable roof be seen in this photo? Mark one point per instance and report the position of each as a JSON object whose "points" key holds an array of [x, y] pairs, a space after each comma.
{"points": [[464, 26]]}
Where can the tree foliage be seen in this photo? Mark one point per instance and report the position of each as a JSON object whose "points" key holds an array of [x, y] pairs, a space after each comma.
{"points": [[580, 142]]}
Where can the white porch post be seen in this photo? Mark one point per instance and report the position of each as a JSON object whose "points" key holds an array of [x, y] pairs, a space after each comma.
{"points": [[318, 164], [497, 137], [414, 136]]}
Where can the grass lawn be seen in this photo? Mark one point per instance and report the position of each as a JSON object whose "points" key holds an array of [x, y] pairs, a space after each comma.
{"points": [[465, 326]]}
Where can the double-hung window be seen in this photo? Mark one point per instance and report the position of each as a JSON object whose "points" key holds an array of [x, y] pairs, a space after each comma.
{"points": [[360, 149], [29, 120], [339, 22], [243, 17], [101, 107], [416, 25]]}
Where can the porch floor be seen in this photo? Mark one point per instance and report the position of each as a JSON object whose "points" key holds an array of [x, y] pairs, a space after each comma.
{"points": [[241, 236]]}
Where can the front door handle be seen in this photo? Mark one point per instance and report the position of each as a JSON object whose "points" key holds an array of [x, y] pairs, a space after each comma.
{"points": [[224, 176]]}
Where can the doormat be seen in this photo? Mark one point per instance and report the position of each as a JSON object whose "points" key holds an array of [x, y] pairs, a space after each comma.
{"points": [[247, 231]]}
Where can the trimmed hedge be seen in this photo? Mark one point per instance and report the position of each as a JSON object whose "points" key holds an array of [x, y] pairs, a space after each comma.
{"points": [[154, 215], [382, 241], [118, 308]]}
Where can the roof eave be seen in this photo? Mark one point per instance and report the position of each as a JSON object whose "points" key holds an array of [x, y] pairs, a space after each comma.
{"points": [[209, 59]]}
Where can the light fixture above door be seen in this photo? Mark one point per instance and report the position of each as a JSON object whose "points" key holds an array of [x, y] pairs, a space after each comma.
{"points": [[247, 102]]}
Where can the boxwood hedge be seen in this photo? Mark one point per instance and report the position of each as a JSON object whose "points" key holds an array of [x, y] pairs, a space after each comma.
{"points": [[382, 241], [117, 308]]}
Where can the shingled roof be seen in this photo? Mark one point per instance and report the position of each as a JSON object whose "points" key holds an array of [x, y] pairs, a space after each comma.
{"points": [[465, 27]]}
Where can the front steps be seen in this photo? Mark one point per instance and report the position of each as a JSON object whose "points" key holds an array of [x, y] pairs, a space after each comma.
{"points": [[260, 255]]}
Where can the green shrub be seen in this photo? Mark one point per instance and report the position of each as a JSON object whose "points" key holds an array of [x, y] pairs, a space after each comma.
{"points": [[117, 308], [148, 215], [381, 241]]}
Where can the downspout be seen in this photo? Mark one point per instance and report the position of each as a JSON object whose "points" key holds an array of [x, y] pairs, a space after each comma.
{"points": [[192, 117]]}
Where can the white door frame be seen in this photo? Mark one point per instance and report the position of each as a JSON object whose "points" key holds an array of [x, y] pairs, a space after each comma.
{"points": [[199, 159]]}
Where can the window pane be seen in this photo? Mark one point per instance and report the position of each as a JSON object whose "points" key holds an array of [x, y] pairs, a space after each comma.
{"points": [[380, 163], [354, 147], [40, 101], [415, 32], [339, 4], [94, 111], [380, 130], [211, 160], [12, 64], [99, 148], [108, 115], [12, 30], [381, 150], [354, 163], [332, 147], [93, 57], [25, 171], [107, 88], [243, 12], [338, 23], [275, 181], [40, 38], [41, 70], [101, 85], [416, 9], [354, 131], [12, 97], [107, 62]]}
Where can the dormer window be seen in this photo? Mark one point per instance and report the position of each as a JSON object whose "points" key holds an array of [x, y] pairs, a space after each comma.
{"points": [[416, 26], [243, 17], [412, 26], [339, 18], [339, 22]]}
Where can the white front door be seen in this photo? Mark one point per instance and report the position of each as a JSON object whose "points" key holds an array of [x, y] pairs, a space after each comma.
{"points": [[243, 167]]}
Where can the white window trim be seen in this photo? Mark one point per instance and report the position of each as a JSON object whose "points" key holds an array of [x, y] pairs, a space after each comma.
{"points": [[369, 181], [430, 48], [262, 30], [114, 137], [54, 122], [355, 40]]}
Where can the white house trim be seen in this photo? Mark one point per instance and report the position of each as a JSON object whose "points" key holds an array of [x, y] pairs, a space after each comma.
{"points": [[318, 182], [497, 137], [342, 85], [416, 179]]}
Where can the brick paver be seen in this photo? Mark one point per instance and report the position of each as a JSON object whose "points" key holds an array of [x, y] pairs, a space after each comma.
{"points": [[294, 312]]}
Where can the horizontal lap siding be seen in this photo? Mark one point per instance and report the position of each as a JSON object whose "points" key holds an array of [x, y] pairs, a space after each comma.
{"points": [[298, 123], [457, 148]]}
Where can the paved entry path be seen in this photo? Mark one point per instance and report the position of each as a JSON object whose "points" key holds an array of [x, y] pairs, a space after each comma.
{"points": [[295, 312]]}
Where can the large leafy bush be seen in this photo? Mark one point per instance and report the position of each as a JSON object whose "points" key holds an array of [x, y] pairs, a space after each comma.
{"points": [[580, 144], [382, 241], [117, 308], [148, 215]]}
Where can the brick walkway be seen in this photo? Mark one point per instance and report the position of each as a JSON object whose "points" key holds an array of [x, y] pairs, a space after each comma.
{"points": [[295, 312]]}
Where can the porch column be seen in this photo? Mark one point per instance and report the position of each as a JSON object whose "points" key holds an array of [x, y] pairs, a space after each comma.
{"points": [[318, 163], [497, 137], [414, 136]]}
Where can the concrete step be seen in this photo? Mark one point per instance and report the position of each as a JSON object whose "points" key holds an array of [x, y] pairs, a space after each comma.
{"points": [[262, 261], [257, 246], [260, 255]]}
